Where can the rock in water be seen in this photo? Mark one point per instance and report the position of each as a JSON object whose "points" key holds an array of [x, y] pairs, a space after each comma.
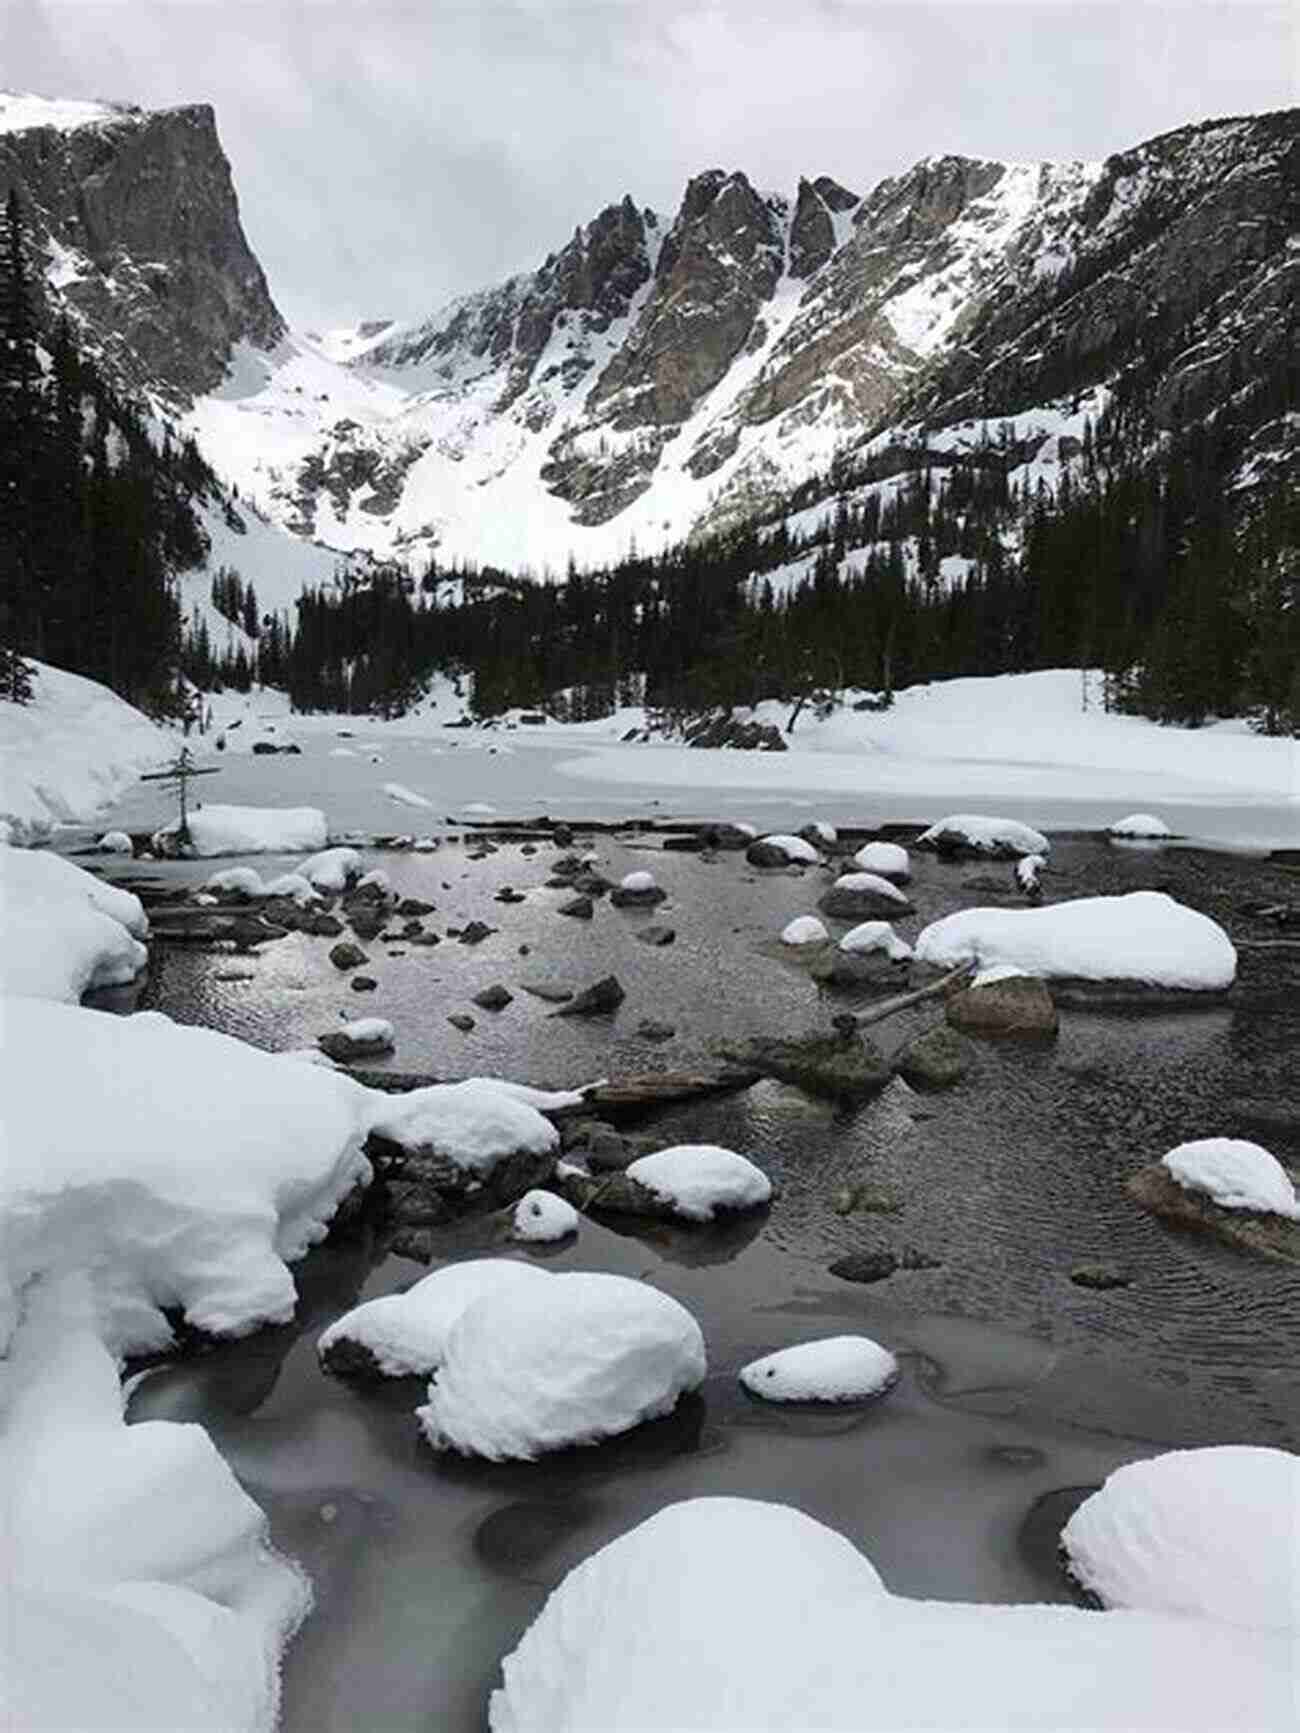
{"points": [[935, 1059], [1006, 1004], [604, 995]]}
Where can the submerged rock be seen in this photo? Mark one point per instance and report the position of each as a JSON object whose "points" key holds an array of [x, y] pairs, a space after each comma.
{"points": [[935, 1059], [1014, 1004], [830, 1065]]}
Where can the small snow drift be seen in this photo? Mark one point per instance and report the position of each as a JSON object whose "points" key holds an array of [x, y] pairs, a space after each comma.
{"points": [[332, 868], [401, 1335], [541, 1216], [198, 1202], [725, 1615], [404, 796], [699, 1179], [804, 930], [1145, 937], [1205, 1532], [875, 936], [592, 1357], [1236, 1174], [972, 833], [887, 859], [66, 931], [835, 1369], [223, 830], [1140, 824]]}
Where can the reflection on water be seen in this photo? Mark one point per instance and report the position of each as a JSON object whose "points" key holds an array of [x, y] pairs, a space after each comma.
{"points": [[1020, 1391]]}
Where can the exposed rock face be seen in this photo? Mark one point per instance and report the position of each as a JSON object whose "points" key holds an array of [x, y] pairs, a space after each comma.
{"points": [[138, 218]]}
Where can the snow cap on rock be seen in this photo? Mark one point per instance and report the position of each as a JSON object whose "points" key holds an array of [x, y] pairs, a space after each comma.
{"points": [[804, 930], [1236, 1174], [699, 1179], [834, 1369]]}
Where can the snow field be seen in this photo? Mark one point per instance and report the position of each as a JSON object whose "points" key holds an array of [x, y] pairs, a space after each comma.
{"points": [[699, 1179], [1237, 1175], [721, 1615], [835, 1369], [407, 1333], [1144, 937], [523, 1374]]}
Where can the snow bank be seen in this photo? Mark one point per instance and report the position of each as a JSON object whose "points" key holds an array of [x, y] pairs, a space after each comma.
{"points": [[836, 1369], [474, 1124], [885, 858], [1143, 937], [1140, 824], [72, 751], [139, 1589], [541, 1216], [699, 1179], [525, 1373], [1215, 1533], [332, 868], [876, 936], [219, 830], [180, 1167], [999, 836], [65, 931], [1237, 1175], [804, 930], [726, 1615], [407, 1333]]}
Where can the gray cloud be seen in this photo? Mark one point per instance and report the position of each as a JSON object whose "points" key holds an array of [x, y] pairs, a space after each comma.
{"points": [[389, 155]]}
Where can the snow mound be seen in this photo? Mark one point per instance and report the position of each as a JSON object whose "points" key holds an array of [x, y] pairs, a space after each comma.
{"points": [[863, 882], [71, 751], [115, 842], [1143, 937], [293, 885], [726, 1616], [376, 880], [699, 1179], [66, 931], [140, 1590], [595, 1356], [1144, 824], [331, 869], [836, 1369], [1004, 836], [180, 1167], [637, 882], [887, 859], [246, 881], [876, 936], [1236, 1174], [804, 930], [220, 830], [474, 1124], [826, 834], [407, 1333], [1209, 1532], [794, 848], [540, 1215]]}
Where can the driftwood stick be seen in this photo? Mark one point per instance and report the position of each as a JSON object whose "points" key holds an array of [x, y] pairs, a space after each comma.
{"points": [[900, 1001]]}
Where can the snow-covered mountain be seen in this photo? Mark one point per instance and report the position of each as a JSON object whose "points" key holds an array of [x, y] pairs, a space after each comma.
{"points": [[657, 375]]}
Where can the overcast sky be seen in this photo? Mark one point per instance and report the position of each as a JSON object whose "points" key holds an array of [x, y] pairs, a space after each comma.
{"points": [[391, 153]]}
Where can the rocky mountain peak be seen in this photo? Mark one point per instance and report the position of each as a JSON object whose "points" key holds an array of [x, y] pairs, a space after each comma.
{"points": [[812, 230], [135, 218]]}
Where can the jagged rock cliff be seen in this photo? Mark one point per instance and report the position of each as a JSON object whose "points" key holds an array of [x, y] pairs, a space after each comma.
{"points": [[135, 217]]}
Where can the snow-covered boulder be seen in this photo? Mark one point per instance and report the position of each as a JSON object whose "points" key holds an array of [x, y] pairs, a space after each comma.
{"points": [[819, 833], [480, 1144], [222, 830], [1213, 1533], [115, 842], [727, 1615], [859, 896], [332, 868], [242, 882], [888, 860], [294, 886], [1236, 1174], [180, 1167], [781, 850], [835, 1369], [697, 1180], [66, 932], [541, 1216], [804, 930], [871, 936], [1144, 938], [973, 833], [363, 1038], [593, 1356], [404, 1335], [637, 890], [375, 885], [139, 1586], [1141, 824]]}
